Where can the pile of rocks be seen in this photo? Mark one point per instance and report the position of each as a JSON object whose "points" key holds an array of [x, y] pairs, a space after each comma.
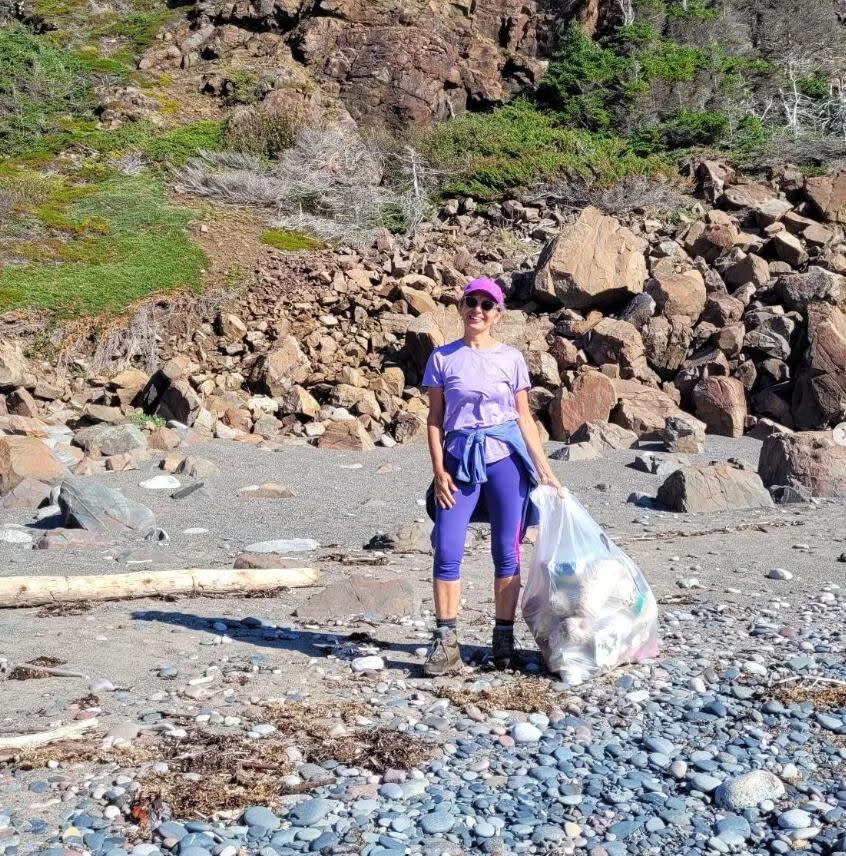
{"points": [[737, 318]]}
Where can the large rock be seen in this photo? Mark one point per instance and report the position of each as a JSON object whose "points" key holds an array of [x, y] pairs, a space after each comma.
{"points": [[590, 400], [595, 262], [346, 434], [97, 508], [605, 435], [614, 341], [645, 410], [27, 458], [106, 440], [283, 367], [373, 599], [717, 487], [819, 394], [721, 404], [749, 790], [666, 342], [796, 290], [422, 337], [808, 459], [827, 194], [679, 295], [13, 365]]}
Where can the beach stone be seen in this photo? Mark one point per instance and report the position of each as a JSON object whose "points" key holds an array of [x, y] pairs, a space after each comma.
{"points": [[107, 440], [779, 574], [27, 458], [261, 817], [368, 664], [749, 790], [437, 822], [795, 818], [716, 487], [525, 732], [310, 811], [97, 508]]}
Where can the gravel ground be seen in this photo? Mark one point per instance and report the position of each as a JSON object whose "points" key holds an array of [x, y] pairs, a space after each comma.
{"points": [[718, 611]]}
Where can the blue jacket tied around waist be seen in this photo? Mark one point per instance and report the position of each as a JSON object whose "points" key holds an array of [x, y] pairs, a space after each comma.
{"points": [[473, 470]]}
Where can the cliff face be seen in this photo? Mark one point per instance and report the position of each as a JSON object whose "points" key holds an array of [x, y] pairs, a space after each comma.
{"points": [[395, 63]]}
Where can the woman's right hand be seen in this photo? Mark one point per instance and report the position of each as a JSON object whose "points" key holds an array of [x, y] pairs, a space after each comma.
{"points": [[445, 490]]}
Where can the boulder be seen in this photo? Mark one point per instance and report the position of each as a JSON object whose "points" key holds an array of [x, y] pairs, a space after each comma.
{"points": [[721, 404], [196, 468], [418, 301], [409, 428], [722, 309], [749, 195], [13, 365], [716, 487], [710, 240], [807, 459], [97, 508], [281, 368], [789, 249], [179, 402], [346, 434], [163, 439], [749, 269], [614, 341], [827, 195], [680, 435], [27, 458], [593, 263], [819, 393], [373, 599], [797, 290], [589, 400], [645, 410], [27, 495], [299, 401], [604, 435], [666, 342], [543, 369], [421, 338], [105, 440], [565, 354], [639, 310], [679, 295], [21, 403]]}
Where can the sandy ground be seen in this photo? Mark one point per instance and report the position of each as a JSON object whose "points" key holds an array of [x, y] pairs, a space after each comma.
{"points": [[342, 505]]}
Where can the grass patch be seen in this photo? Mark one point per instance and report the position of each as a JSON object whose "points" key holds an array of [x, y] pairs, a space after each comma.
{"points": [[107, 246], [289, 242], [39, 84], [519, 144]]}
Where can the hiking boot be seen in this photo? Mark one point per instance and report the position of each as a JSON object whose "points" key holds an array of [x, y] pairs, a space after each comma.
{"points": [[443, 657], [504, 655]]}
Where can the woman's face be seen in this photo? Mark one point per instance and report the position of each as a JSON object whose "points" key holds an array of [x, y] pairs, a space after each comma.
{"points": [[479, 312]]}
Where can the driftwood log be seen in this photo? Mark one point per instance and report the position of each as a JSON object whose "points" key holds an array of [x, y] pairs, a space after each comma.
{"points": [[38, 590], [73, 731]]}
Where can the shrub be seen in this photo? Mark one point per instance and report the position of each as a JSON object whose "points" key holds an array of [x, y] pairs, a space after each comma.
{"points": [[259, 132], [39, 84], [519, 144]]}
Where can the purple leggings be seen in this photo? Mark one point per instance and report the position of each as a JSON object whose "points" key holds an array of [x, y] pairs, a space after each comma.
{"points": [[505, 495]]}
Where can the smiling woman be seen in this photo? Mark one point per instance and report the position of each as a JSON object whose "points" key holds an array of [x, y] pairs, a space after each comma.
{"points": [[486, 454]]}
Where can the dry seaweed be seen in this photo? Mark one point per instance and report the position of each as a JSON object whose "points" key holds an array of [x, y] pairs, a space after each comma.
{"points": [[62, 609], [524, 694], [22, 673]]}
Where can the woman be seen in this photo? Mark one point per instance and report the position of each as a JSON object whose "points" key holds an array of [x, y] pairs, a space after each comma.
{"points": [[484, 445]]}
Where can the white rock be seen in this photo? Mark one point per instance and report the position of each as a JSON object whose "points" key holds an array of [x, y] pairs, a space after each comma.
{"points": [[12, 535], [525, 732], [283, 545], [163, 482], [368, 664], [779, 574], [195, 530]]}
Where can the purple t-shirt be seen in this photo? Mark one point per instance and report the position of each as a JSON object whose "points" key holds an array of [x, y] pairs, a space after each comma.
{"points": [[479, 389]]}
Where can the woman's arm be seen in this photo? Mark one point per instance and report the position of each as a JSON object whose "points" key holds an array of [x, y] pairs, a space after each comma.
{"points": [[530, 434], [444, 485]]}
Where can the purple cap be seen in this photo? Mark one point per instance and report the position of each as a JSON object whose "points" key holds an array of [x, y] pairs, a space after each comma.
{"points": [[487, 286]]}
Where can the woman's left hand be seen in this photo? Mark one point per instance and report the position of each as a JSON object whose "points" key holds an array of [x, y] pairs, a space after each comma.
{"points": [[548, 479]]}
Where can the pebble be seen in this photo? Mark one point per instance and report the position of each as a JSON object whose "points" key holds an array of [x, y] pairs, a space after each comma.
{"points": [[368, 664], [525, 732], [779, 574]]}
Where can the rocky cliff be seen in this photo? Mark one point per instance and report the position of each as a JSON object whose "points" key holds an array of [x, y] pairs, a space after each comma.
{"points": [[385, 62]]}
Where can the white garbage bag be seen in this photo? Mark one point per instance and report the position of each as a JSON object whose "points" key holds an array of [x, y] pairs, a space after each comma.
{"points": [[587, 604]]}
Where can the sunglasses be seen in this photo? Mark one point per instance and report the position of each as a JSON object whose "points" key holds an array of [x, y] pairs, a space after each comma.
{"points": [[473, 302]]}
